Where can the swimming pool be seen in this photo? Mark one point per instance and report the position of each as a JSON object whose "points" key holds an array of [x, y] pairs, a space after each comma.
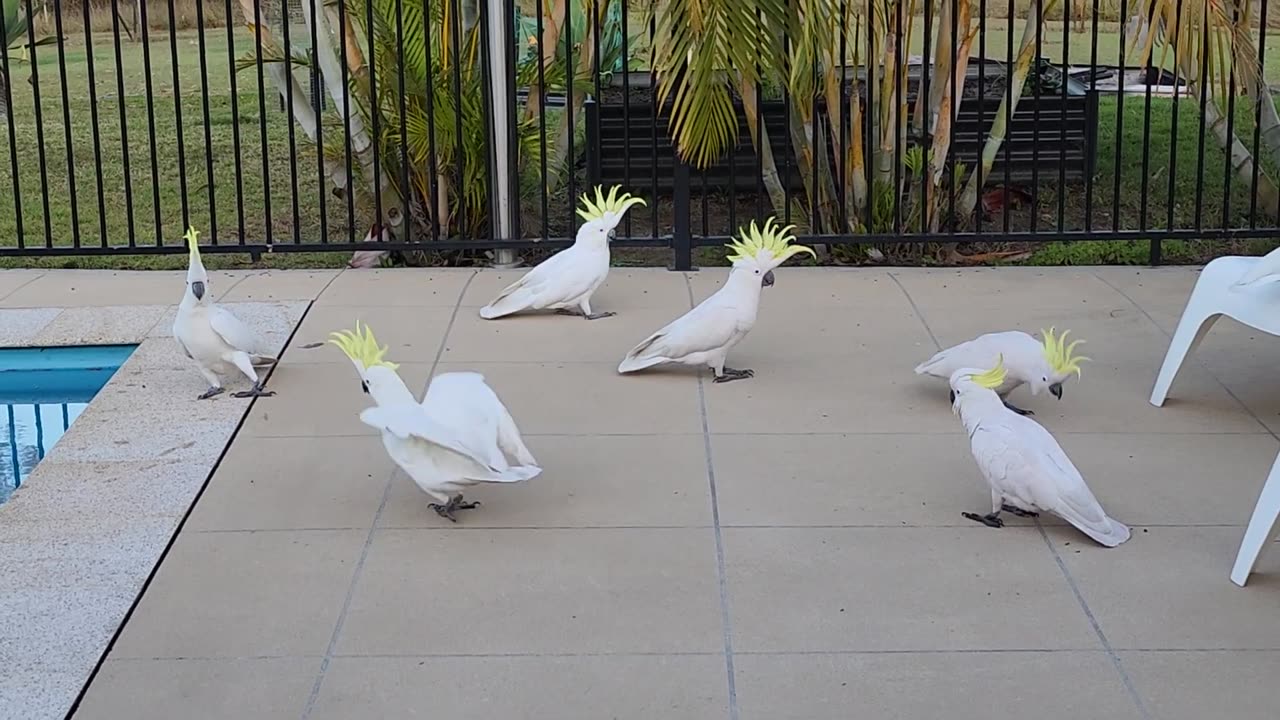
{"points": [[42, 392]]}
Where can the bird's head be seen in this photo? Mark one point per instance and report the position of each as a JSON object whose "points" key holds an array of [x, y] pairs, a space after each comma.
{"points": [[757, 251], [197, 278], [604, 213], [1060, 363], [969, 384], [378, 377]]}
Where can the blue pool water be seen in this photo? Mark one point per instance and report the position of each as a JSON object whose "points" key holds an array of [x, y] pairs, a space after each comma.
{"points": [[43, 391]]}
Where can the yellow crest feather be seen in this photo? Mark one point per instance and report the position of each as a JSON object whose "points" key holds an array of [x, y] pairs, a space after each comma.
{"points": [[753, 241], [992, 378], [1060, 355], [603, 205], [361, 347], [192, 237]]}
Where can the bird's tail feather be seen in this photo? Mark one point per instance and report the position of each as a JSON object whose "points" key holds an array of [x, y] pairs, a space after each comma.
{"points": [[632, 364], [1108, 533], [510, 441], [515, 473], [262, 360], [507, 304]]}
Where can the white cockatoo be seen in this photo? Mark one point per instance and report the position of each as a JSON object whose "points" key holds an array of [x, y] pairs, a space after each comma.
{"points": [[566, 281], [1026, 468], [1267, 268], [214, 337], [1040, 365], [460, 435], [705, 334]]}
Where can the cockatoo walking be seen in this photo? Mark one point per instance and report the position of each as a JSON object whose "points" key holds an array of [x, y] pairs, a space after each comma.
{"points": [[1026, 468], [460, 435], [566, 281], [214, 337], [1042, 366], [1267, 268], [705, 334]]}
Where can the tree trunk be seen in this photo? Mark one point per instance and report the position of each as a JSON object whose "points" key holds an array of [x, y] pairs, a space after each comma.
{"points": [[772, 182], [1242, 161]]}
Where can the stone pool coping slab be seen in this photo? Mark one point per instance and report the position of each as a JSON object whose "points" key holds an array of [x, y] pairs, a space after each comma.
{"points": [[87, 527]]}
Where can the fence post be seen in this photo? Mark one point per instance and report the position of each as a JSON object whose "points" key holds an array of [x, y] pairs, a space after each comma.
{"points": [[1156, 253], [682, 230], [592, 110]]}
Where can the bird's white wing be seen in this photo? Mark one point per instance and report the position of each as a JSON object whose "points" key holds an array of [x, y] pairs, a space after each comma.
{"points": [[709, 326], [1267, 267], [560, 278], [1065, 492], [407, 421], [995, 448], [234, 332], [465, 403], [979, 352]]}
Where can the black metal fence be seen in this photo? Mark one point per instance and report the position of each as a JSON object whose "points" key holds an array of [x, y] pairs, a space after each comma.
{"points": [[1004, 128]]}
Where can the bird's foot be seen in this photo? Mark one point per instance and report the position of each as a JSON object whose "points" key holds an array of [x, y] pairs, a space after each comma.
{"points": [[729, 375], [455, 503], [567, 311], [210, 393], [990, 520], [255, 391], [1018, 410], [1018, 511], [599, 315]]}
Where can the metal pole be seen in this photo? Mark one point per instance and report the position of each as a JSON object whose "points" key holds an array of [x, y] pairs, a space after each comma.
{"points": [[501, 98]]}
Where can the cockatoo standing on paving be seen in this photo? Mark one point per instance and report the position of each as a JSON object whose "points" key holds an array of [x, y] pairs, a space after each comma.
{"points": [[1026, 468], [458, 436], [214, 337], [565, 281], [705, 334], [1043, 366], [1267, 267]]}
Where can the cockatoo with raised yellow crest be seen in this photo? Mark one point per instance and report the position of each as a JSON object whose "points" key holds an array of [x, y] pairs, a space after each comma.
{"points": [[566, 281], [460, 435], [1026, 468], [1042, 365], [705, 334], [212, 336]]}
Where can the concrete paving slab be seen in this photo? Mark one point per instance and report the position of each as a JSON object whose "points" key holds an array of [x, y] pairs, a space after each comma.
{"points": [[545, 337], [1166, 589], [1211, 683], [410, 334], [802, 289], [959, 686], [235, 595], [994, 289], [680, 687], [410, 287], [842, 589], [536, 591], [12, 280], [200, 689], [39, 689], [593, 481], [295, 484], [277, 285], [623, 290], [99, 325], [95, 288], [20, 326]]}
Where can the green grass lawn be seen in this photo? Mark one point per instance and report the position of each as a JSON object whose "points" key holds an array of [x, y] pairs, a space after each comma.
{"points": [[158, 205]]}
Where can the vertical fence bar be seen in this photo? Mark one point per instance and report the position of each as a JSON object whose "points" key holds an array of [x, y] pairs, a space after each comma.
{"points": [[406, 191], [93, 116], [841, 118], [759, 138], [544, 179], [39, 108], [786, 131], [13, 137], [733, 168], [869, 114], [124, 123], [1261, 93], [289, 118], [317, 103], [1231, 129], [654, 101], [1146, 147], [1007, 146], [900, 79], [1173, 127], [177, 117], [1204, 102], [925, 134], [66, 124], [591, 109], [515, 150], [375, 115], [1119, 141], [682, 233], [349, 189], [982, 100], [957, 97], [626, 112], [570, 75], [1038, 77], [486, 94], [235, 120], [819, 158], [1062, 123], [459, 159], [1092, 146], [208, 137], [262, 122]]}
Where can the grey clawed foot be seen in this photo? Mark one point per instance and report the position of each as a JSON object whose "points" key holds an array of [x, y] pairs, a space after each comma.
{"points": [[990, 520], [599, 315], [210, 393], [567, 311], [1018, 511], [255, 391], [455, 503], [729, 375], [1019, 410]]}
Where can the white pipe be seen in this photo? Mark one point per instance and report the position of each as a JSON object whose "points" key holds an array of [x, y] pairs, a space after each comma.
{"points": [[502, 96]]}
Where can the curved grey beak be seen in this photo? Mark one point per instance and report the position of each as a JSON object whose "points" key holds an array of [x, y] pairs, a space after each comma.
{"points": [[613, 233], [197, 289], [953, 397], [768, 279], [1056, 389]]}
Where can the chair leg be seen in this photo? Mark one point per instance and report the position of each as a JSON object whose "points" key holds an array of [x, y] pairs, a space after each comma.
{"points": [[1191, 330], [1262, 527]]}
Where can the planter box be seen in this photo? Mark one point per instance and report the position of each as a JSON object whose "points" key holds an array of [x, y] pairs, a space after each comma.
{"points": [[1064, 134]]}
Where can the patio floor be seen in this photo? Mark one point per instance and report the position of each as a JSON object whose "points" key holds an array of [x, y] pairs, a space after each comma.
{"points": [[786, 547]]}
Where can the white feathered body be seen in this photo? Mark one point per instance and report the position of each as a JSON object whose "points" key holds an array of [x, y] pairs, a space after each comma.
{"points": [[1023, 358], [1267, 268], [566, 280], [1027, 468], [704, 335], [212, 336], [459, 436]]}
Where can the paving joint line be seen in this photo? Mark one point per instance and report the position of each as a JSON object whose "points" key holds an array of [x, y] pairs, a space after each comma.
{"points": [[14, 291], [722, 579], [373, 527], [1248, 410]]}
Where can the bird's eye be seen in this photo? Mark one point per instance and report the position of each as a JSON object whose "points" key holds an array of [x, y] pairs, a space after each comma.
{"points": [[757, 271], [364, 386]]}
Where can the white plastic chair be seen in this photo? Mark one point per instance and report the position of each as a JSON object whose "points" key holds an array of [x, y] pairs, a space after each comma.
{"points": [[1258, 307]]}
